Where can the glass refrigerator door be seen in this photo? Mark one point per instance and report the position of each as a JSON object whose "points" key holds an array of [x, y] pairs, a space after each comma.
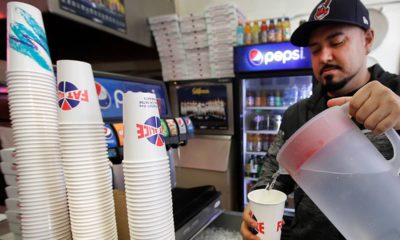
{"points": [[264, 101]]}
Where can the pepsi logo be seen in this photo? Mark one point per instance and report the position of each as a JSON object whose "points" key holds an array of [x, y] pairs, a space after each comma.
{"points": [[188, 121], [103, 95], [256, 57], [152, 131], [69, 96], [108, 133]]}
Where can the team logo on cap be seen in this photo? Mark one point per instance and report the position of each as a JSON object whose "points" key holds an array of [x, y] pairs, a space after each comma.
{"points": [[152, 130], [256, 57], [104, 96], [69, 96], [322, 10]]}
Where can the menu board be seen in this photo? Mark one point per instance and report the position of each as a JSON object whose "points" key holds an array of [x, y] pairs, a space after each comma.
{"points": [[205, 105], [109, 13]]}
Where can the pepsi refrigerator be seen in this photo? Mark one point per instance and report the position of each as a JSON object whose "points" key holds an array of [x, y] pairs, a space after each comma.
{"points": [[269, 78], [192, 207]]}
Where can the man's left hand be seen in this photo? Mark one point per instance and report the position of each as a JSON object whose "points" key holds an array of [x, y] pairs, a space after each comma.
{"points": [[374, 105]]}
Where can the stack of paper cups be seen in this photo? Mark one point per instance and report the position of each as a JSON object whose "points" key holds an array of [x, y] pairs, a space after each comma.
{"points": [[33, 111], [146, 170], [84, 153]]}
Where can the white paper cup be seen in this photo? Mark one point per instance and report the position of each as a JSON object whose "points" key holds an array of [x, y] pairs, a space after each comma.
{"points": [[268, 207], [77, 96], [11, 180], [25, 24], [12, 191], [8, 155], [142, 127]]}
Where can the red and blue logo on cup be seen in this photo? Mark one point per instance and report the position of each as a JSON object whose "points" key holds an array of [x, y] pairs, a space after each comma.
{"points": [[256, 57], [69, 96], [104, 96], [152, 131]]}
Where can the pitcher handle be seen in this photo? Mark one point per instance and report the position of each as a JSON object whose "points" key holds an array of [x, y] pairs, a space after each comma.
{"points": [[394, 139]]}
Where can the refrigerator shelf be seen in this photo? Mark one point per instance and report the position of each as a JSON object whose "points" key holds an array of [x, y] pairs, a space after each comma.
{"points": [[251, 179], [257, 153], [267, 108], [272, 132]]}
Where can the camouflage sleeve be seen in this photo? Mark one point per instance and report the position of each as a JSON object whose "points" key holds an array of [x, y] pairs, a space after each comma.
{"points": [[284, 182]]}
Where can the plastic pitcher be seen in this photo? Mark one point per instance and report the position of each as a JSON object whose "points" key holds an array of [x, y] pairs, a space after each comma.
{"points": [[346, 176]]}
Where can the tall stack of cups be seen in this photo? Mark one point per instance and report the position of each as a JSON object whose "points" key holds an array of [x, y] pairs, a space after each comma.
{"points": [[146, 170], [33, 110], [84, 153]]}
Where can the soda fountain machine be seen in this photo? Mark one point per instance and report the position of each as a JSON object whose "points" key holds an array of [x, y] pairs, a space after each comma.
{"points": [[193, 207]]}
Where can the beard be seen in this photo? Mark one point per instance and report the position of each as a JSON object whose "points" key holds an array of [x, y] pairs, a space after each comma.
{"points": [[331, 86]]}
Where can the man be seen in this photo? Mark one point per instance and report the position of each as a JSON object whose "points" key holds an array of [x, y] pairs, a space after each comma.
{"points": [[339, 36]]}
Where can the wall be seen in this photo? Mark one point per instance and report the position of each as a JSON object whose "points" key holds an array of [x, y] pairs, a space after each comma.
{"points": [[387, 54]]}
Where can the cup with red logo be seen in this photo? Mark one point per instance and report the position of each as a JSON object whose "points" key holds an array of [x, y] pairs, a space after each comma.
{"points": [[267, 207], [143, 136], [77, 97]]}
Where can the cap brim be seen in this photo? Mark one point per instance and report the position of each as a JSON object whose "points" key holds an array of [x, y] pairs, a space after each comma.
{"points": [[302, 34]]}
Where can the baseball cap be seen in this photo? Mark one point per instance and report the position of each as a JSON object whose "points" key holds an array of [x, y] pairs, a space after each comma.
{"points": [[331, 11]]}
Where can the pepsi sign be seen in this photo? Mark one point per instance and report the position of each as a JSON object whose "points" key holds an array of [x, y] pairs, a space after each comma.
{"points": [[271, 57], [110, 93], [152, 131]]}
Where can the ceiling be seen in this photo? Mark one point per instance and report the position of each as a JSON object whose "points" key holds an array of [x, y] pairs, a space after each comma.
{"points": [[68, 39]]}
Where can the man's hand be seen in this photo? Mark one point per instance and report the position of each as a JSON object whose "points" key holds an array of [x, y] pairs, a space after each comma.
{"points": [[375, 106], [248, 222]]}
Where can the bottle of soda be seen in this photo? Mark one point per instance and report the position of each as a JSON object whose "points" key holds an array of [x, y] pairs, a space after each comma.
{"points": [[250, 99], [278, 99], [286, 29], [240, 34], [259, 141], [257, 100], [264, 31], [293, 94], [265, 143], [248, 166], [271, 31], [255, 33], [263, 98], [271, 99], [247, 33], [250, 142], [278, 31]]}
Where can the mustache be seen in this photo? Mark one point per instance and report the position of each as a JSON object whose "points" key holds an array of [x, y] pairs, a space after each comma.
{"points": [[328, 66]]}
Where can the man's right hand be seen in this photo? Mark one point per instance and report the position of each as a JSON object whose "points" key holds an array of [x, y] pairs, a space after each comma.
{"points": [[248, 222]]}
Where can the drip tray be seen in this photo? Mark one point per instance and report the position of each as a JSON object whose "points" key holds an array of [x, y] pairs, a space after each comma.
{"points": [[194, 208]]}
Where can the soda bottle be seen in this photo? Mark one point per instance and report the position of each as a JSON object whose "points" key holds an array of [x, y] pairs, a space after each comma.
{"points": [[250, 142], [293, 94], [247, 33], [271, 99], [278, 31], [278, 99], [259, 166], [263, 98], [250, 99], [257, 120], [271, 31], [255, 32], [264, 31], [303, 92], [259, 141], [265, 144], [286, 29], [239, 34], [257, 100], [248, 166]]}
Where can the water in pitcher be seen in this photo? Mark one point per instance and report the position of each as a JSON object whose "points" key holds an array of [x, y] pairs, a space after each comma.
{"points": [[361, 204]]}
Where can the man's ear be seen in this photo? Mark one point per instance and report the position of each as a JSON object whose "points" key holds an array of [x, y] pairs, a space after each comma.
{"points": [[369, 39]]}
